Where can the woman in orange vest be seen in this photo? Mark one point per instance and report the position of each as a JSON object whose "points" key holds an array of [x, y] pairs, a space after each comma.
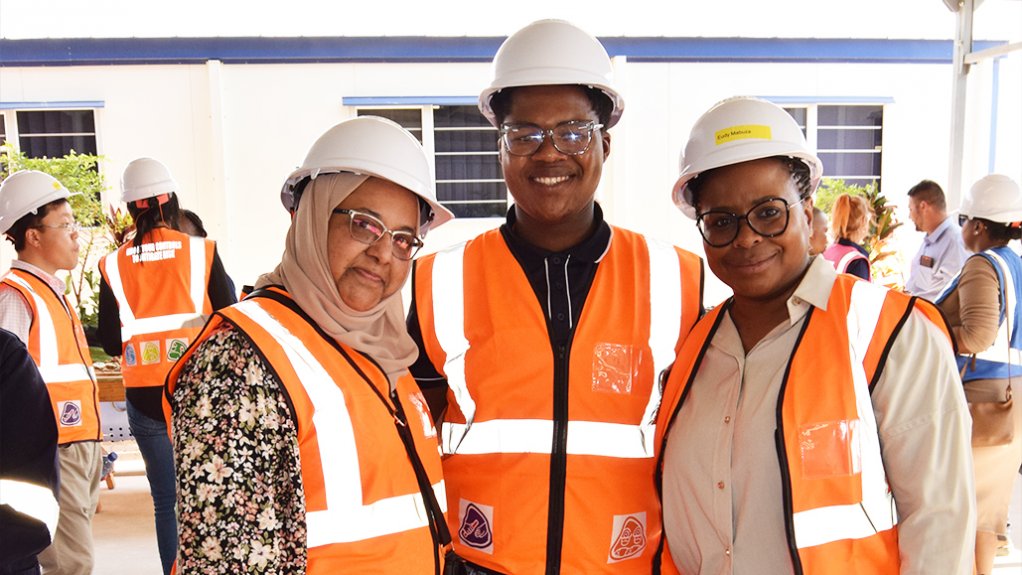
{"points": [[812, 423], [303, 444], [850, 219], [156, 292]]}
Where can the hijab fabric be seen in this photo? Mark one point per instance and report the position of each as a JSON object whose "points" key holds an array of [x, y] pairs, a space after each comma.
{"points": [[304, 271]]}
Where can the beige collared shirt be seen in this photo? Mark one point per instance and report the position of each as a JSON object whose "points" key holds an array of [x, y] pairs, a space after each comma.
{"points": [[722, 491]]}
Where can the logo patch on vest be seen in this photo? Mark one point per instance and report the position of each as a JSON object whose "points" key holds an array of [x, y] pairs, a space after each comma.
{"points": [[176, 348], [70, 413], [475, 530], [150, 352], [628, 538], [428, 429], [130, 359]]}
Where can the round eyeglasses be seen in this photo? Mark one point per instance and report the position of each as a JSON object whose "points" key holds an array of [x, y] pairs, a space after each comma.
{"points": [[368, 230], [768, 218], [71, 227], [571, 138]]}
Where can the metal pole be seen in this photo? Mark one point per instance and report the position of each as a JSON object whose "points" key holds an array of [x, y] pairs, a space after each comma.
{"points": [[959, 90]]}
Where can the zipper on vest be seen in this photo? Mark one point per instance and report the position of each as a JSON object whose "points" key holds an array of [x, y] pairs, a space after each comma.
{"points": [[558, 462]]}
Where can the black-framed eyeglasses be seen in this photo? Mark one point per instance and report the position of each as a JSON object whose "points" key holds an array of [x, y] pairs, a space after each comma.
{"points": [[571, 138], [768, 218], [962, 218], [368, 229], [71, 227]]}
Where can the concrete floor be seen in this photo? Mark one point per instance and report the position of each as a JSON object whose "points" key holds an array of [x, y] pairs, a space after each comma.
{"points": [[125, 536]]}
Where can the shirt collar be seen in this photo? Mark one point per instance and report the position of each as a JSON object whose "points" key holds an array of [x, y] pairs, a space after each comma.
{"points": [[591, 250], [936, 234], [53, 281], [813, 290]]}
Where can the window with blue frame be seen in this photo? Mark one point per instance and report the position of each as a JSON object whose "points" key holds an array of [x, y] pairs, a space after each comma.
{"points": [[465, 156]]}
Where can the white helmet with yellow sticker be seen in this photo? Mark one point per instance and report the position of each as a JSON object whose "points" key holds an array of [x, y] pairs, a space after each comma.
{"points": [[737, 130]]}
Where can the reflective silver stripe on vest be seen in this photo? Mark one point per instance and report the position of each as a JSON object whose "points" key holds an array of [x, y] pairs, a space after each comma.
{"points": [[449, 297], [131, 326], [1001, 351], [876, 512], [49, 365], [347, 518], [33, 500], [665, 323], [534, 436]]}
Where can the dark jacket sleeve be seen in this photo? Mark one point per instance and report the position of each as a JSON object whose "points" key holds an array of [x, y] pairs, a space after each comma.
{"points": [[221, 288], [109, 324], [432, 384], [859, 269], [28, 446]]}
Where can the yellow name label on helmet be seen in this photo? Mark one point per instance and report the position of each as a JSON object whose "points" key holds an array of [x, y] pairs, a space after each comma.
{"points": [[746, 132]]}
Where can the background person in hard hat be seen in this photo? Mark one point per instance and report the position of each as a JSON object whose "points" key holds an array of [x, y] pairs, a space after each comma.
{"points": [[548, 335], [942, 253], [813, 423], [155, 293], [29, 472], [983, 304], [36, 216], [850, 219], [315, 448]]}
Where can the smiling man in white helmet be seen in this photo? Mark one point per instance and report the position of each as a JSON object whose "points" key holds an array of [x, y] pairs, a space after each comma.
{"points": [[547, 336], [36, 217], [813, 423]]}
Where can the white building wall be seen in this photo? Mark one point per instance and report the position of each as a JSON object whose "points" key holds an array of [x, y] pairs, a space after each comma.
{"points": [[232, 133]]}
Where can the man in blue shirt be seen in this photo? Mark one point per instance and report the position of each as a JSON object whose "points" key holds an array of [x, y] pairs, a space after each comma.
{"points": [[942, 252]]}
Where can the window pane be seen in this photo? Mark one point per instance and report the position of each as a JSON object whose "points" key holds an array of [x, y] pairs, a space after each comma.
{"points": [[57, 122], [839, 139], [3, 129], [54, 133], [447, 140], [845, 165], [474, 200], [467, 168], [460, 117], [850, 115]]}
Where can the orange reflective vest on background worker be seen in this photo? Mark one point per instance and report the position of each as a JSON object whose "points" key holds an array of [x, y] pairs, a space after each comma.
{"points": [[485, 331], [56, 341], [161, 290], [364, 511], [840, 513]]}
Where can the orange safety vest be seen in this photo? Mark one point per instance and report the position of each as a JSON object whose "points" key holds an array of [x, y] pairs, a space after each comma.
{"points": [[57, 343], [485, 331], [840, 513], [162, 296], [364, 511]]}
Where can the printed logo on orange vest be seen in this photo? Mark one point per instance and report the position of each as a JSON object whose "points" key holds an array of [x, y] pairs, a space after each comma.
{"points": [[629, 537], [130, 358], [150, 352], [70, 413], [176, 348], [475, 528]]}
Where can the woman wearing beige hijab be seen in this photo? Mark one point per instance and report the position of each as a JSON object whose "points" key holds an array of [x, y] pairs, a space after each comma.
{"points": [[302, 444]]}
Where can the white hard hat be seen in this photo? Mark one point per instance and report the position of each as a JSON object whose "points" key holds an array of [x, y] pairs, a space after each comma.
{"points": [[737, 130], [996, 198], [24, 192], [552, 52], [371, 146], [145, 178]]}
